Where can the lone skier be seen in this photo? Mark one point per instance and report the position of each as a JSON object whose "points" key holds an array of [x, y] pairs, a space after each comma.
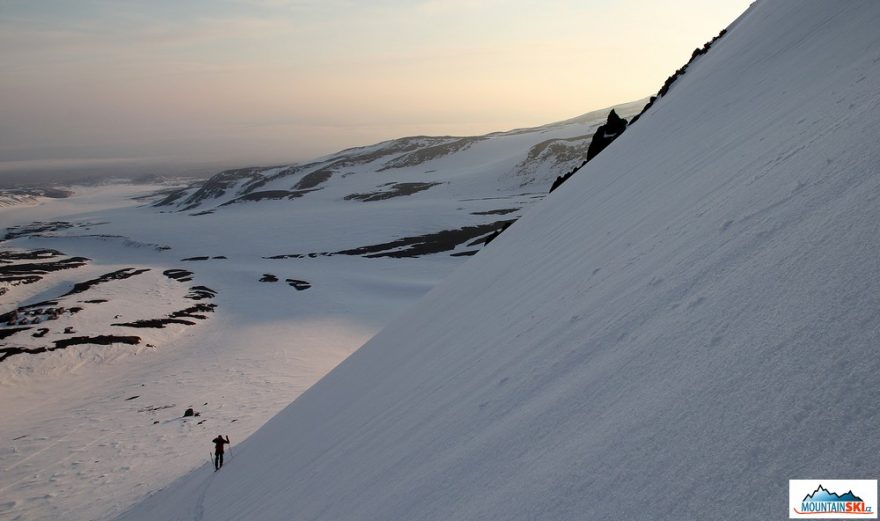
{"points": [[218, 450]]}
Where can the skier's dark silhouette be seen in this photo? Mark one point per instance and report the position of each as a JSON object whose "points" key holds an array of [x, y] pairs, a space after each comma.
{"points": [[218, 450]]}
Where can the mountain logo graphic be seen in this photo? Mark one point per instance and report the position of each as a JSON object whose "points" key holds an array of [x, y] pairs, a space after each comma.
{"points": [[822, 494], [827, 499]]}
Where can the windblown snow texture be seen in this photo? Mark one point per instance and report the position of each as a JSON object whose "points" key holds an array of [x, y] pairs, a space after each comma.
{"points": [[691, 323]]}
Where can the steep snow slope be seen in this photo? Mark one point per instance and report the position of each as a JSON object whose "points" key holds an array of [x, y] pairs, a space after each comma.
{"points": [[685, 325]]}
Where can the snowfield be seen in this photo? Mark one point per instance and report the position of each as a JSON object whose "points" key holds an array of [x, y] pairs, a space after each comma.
{"points": [[682, 327], [143, 308]]}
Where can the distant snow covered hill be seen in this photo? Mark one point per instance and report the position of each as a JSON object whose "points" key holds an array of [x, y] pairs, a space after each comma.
{"points": [[124, 305], [682, 327], [29, 196], [499, 163]]}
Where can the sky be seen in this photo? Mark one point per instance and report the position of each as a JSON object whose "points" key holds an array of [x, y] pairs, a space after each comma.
{"points": [[109, 82]]}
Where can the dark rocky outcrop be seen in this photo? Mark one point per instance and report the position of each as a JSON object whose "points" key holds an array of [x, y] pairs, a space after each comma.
{"points": [[46, 261], [299, 285], [9, 332], [606, 134], [410, 247], [156, 323], [200, 293], [176, 317], [393, 190], [122, 274], [178, 274], [6, 352]]}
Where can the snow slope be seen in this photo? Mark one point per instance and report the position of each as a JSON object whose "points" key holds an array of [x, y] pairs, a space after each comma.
{"points": [[686, 324]]}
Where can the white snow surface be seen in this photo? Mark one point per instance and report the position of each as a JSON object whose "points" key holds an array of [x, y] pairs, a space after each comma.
{"points": [[89, 430], [678, 330]]}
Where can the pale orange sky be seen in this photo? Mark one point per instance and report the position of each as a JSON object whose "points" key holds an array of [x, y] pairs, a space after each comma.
{"points": [[266, 81]]}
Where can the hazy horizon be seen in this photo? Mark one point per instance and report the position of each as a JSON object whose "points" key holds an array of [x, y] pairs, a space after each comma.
{"points": [[133, 84]]}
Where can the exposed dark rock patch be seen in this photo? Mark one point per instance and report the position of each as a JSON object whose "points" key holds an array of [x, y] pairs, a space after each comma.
{"points": [[191, 311], [37, 229], [36, 313], [200, 258], [271, 195], [178, 274], [465, 253], [363, 155], [252, 186], [189, 412], [6, 352], [4, 333], [177, 317], [394, 190], [561, 149], [122, 274], [408, 247], [200, 293], [34, 228], [15, 280], [299, 285], [218, 185], [156, 323], [171, 197], [41, 254], [314, 179], [52, 193], [556, 153], [244, 184], [154, 408], [95, 301], [268, 277], [429, 153], [206, 212], [132, 398], [41, 332], [104, 340], [502, 211], [31, 272]]}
